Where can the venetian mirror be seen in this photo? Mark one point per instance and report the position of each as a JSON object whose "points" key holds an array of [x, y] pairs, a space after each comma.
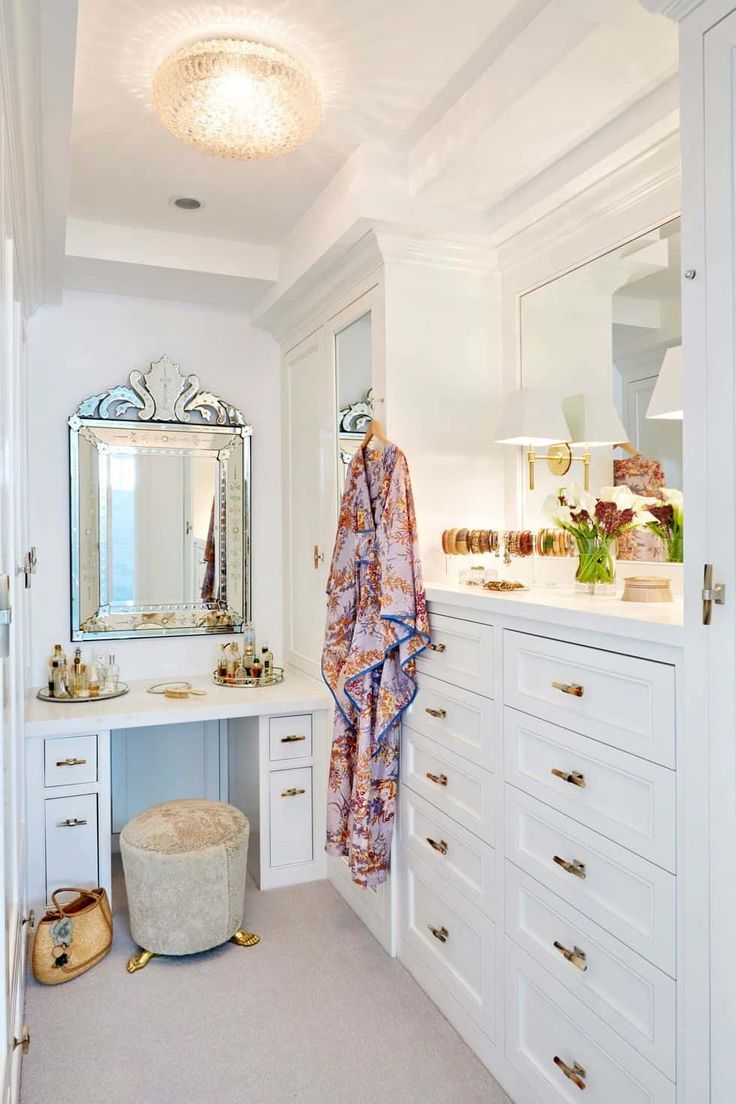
{"points": [[160, 510], [353, 375]]}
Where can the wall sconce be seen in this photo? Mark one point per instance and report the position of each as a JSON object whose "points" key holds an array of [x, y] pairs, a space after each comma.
{"points": [[537, 418], [666, 401]]}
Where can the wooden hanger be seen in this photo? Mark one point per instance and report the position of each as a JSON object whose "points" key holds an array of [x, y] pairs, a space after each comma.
{"points": [[375, 429], [626, 446]]}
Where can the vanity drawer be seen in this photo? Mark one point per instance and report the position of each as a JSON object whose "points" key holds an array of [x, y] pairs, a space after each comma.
{"points": [[453, 940], [550, 1032], [290, 737], [71, 842], [633, 997], [459, 788], [620, 700], [626, 895], [458, 719], [625, 798], [291, 816], [457, 857], [70, 760], [461, 653]]}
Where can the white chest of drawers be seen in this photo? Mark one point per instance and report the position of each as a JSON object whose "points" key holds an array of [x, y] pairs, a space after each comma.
{"points": [[540, 790]]}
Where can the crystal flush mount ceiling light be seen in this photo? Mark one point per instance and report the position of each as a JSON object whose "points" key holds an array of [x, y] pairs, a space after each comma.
{"points": [[235, 98]]}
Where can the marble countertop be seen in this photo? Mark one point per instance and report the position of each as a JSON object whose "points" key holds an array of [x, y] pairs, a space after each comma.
{"points": [[298, 693]]}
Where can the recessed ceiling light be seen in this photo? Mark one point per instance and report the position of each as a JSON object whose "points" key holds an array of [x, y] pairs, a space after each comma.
{"points": [[237, 98], [186, 203]]}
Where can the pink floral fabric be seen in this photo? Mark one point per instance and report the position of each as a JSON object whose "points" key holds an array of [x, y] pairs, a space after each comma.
{"points": [[643, 476], [376, 625]]}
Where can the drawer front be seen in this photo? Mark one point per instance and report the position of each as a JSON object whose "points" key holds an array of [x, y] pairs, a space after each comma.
{"points": [[629, 897], [70, 760], [290, 737], [620, 700], [550, 1032], [71, 842], [628, 993], [458, 719], [456, 856], [455, 941], [625, 798], [291, 816], [456, 787], [461, 653]]}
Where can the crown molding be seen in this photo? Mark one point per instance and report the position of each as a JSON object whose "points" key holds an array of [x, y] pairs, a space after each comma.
{"points": [[673, 9], [351, 269]]}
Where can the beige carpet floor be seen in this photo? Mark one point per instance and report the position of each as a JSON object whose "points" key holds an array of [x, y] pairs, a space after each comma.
{"points": [[316, 1013]]}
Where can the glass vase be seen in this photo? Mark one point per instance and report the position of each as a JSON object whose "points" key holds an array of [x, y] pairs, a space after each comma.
{"points": [[674, 547], [596, 564]]}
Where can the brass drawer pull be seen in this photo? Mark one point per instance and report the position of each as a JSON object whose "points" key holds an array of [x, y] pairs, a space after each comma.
{"points": [[70, 822], [575, 778], [440, 714], [575, 867], [292, 739], [575, 1073], [70, 762], [575, 956], [24, 1042], [437, 647], [438, 779], [572, 688], [439, 933], [293, 792], [439, 845]]}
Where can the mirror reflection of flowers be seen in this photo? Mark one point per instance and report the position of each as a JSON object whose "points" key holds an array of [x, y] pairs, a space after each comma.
{"points": [[669, 522], [595, 522]]}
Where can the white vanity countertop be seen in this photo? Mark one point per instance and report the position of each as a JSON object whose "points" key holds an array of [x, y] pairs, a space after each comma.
{"points": [[660, 623], [298, 693]]}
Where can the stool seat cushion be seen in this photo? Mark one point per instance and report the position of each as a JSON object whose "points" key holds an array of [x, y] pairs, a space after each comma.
{"points": [[185, 867]]}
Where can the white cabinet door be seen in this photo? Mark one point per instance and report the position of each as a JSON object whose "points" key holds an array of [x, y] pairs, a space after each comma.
{"points": [[311, 502], [290, 798], [71, 842]]}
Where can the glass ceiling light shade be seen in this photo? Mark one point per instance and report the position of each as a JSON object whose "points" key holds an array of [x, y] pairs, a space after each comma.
{"points": [[666, 401], [593, 420], [235, 98]]}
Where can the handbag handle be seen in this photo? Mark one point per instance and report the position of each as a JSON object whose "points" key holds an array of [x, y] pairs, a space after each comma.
{"points": [[95, 894]]}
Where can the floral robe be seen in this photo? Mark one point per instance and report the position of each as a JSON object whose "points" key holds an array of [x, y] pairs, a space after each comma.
{"points": [[376, 624]]}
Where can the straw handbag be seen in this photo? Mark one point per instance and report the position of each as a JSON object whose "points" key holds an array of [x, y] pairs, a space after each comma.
{"points": [[73, 937]]}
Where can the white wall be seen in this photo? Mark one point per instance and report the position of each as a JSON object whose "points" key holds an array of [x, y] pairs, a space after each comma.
{"points": [[91, 342]]}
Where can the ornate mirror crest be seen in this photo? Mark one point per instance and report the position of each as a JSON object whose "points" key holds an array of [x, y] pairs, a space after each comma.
{"points": [[160, 509], [352, 421]]}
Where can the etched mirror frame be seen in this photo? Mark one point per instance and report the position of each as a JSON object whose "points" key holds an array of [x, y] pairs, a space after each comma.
{"points": [[160, 411]]}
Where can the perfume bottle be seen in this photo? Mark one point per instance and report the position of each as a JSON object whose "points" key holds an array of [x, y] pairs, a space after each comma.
{"points": [[57, 661], [256, 668], [112, 674], [93, 679], [75, 676], [266, 659], [221, 662]]}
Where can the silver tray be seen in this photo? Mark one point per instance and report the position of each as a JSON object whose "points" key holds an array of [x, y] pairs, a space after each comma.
{"points": [[265, 680], [104, 695]]}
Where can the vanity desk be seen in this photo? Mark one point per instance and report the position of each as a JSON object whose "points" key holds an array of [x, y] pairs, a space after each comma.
{"points": [[264, 750]]}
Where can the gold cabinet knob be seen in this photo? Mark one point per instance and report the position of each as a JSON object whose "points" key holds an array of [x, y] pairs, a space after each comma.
{"points": [[294, 791], [71, 762], [575, 1073], [438, 845], [575, 867], [575, 778], [292, 739], [437, 647], [438, 779], [576, 956], [70, 822], [440, 714], [572, 688], [441, 934]]}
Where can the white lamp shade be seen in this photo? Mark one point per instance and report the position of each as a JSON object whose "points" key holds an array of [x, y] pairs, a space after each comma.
{"points": [[593, 420], [666, 400], [530, 417]]}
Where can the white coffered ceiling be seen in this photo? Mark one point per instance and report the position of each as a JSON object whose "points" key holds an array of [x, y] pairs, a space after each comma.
{"points": [[459, 115]]}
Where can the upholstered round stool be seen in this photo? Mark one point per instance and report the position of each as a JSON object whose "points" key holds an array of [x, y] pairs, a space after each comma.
{"points": [[185, 865]]}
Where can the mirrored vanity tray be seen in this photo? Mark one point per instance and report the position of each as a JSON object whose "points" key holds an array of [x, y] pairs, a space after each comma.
{"points": [[103, 695], [277, 675]]}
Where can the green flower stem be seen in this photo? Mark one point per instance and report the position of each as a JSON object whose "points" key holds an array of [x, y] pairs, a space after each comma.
{"points": [[595, 560]]}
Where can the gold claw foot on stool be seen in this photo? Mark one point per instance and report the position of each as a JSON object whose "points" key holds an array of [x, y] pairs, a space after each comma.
{"points": [[137, 962], [243, 938]]}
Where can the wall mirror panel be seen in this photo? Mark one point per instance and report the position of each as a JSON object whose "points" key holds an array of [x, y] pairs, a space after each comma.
{"points": [[160, 510], [353, 388], [612, 327]]}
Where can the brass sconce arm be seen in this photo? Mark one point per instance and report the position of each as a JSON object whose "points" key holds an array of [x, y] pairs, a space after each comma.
{"points": [[559, 460]]}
